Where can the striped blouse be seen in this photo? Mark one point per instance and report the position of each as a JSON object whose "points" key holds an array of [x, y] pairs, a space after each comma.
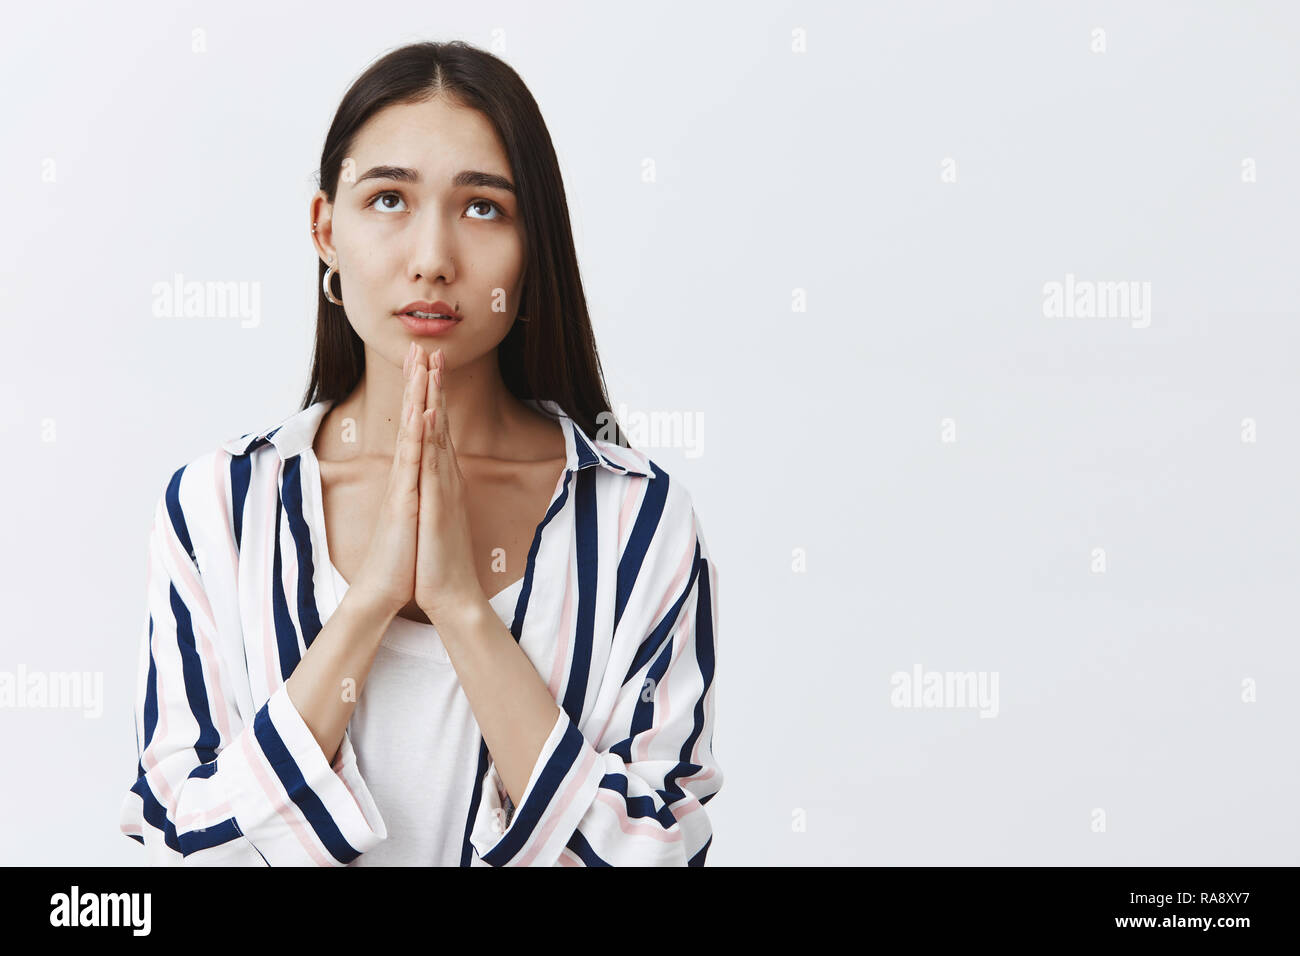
{"points": [[617, 611]]}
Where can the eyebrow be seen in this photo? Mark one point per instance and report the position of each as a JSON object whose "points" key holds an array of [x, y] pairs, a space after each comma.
{"points": [[466, 177]]}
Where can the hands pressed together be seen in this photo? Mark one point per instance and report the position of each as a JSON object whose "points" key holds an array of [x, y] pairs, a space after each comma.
{"points": [[422, 548]]}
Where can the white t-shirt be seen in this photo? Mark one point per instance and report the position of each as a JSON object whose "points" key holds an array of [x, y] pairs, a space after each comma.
{"points": [[417, 741]]}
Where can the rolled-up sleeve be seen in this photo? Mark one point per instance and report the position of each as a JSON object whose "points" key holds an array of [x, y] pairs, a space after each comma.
{"points": [[211, 788], [638, 800]]}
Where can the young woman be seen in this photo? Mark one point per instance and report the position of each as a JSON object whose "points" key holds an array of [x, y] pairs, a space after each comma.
{"points": [[442, 615]]}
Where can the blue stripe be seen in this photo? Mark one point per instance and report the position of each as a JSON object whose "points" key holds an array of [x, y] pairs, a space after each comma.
{"points": [[638, 807], [195, 690], [154, 814], [466, 848], [308, 613], [150, 695], [527, 816], [643, 532], [286, 638], [586, 456], [516, 629], [205, 839], [308, 802], [579, 845], [698, 859], [650, 646], [643, 714], [179, 526], [521, 605], [704, 659], [240, 471], [588, 545]]}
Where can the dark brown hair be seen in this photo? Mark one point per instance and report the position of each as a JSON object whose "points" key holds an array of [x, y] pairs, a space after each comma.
{"points": [[553, 354]]}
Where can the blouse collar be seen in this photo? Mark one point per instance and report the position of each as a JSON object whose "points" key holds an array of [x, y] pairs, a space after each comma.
{"points": [[295, 434]]}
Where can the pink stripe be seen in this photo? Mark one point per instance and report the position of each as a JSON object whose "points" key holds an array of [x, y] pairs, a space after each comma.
{"points": [[147, 759], [668, 599], [186, 576], [220, 473], [254, 757], [209, 660], [640, 827], [268, 626], [219, 812], [568, 858], [676, 584], [620, 456], [707, 772], [158, 781], [691, 804], [635, 487], [316, 504], [556, 808], [663, 705], [559, 661], [289, 573]]}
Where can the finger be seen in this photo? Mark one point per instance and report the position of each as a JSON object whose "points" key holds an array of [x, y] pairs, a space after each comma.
{"points": [[442, 402], [444, 424], [408, 397], [431, 458], [410, 433], [430, 462]]}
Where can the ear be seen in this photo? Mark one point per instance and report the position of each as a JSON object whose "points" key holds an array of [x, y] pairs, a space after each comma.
{"points": [[321, 225]]}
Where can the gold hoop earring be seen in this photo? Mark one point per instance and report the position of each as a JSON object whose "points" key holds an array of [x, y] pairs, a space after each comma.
{"points": [[325, 285], [325, 281]]}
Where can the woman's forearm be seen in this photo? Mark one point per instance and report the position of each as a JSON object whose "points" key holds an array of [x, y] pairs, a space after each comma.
{"points": [[327, 682]]}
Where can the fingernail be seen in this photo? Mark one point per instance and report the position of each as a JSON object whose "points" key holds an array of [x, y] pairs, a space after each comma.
{"points": [[437, 376]]}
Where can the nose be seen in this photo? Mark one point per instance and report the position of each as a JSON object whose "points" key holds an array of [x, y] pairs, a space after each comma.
{"points": [[432, 251]]}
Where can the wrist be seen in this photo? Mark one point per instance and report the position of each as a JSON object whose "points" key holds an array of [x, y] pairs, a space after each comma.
{"points": [[461, 617], [367, 609]]}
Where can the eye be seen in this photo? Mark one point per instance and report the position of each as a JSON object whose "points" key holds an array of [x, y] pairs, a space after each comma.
{"points": [[384, 205], [487, 202]]}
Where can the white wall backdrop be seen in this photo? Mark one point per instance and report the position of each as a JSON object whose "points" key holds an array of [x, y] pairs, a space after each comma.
{"points": [[911, 464]]}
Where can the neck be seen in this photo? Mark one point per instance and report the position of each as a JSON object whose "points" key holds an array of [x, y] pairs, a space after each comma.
{"points": [[480, 409]]}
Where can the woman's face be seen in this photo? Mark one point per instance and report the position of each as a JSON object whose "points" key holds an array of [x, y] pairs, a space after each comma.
{"points": [[415, 218]]}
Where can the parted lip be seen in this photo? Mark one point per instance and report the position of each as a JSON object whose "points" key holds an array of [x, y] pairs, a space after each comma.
{"points": [[423, 306]]}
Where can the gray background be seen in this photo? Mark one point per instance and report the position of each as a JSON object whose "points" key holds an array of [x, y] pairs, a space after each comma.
{"points": [[776, 171]]}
